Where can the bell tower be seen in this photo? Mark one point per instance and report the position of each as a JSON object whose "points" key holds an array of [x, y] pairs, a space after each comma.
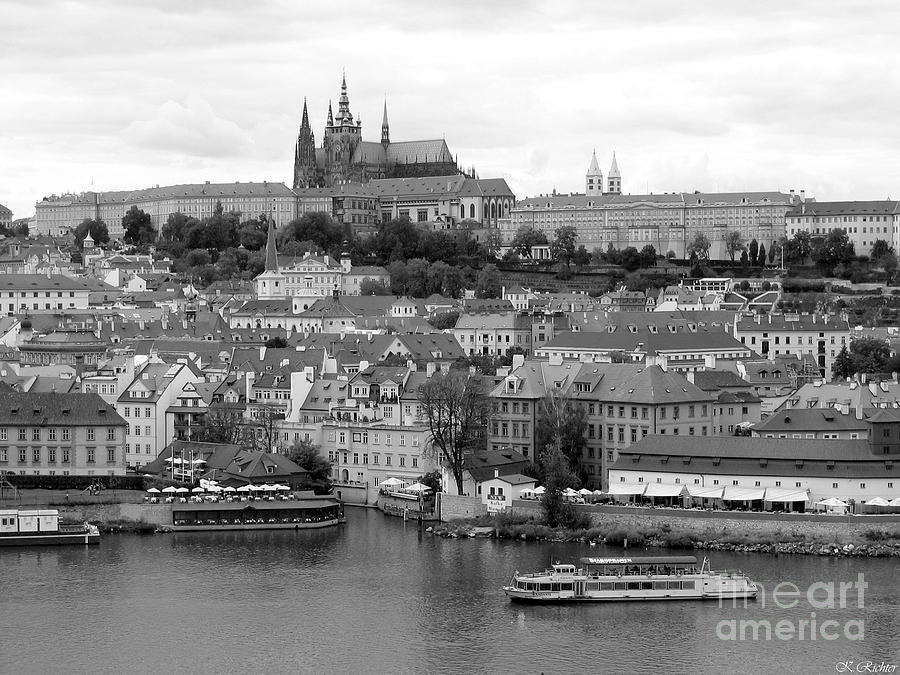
{"points": [[305, 154], [593, 179]]}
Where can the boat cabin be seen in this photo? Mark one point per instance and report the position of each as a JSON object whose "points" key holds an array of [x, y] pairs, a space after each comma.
{"points": [[640, 566]]}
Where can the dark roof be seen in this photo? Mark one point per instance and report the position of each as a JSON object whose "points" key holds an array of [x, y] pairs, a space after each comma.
{"points": [[874, 207], [507, 462], [711, 380], [51, 409], [809, 419]]}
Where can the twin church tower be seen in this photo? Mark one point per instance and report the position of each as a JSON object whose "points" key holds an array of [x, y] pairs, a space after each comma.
{"points": [[593, 179], [344, 156]]}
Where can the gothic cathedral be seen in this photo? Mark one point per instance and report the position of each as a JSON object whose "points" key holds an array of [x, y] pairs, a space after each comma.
{"points": [[345, 157]]}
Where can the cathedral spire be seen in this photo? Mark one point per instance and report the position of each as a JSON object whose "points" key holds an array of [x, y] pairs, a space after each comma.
{"points": [[593, 179], [385, 130], [344, 114], [271, 251], [330, 121], [304, 122], [614, 180]]}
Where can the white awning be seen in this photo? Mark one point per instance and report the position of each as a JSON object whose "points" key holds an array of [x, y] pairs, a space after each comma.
{"points": [[705, 492], [627, 488], [738, 494], [786, 495], [664, 490]]}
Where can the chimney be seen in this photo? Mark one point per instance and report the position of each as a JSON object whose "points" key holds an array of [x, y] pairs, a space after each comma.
{"points": [[792, 195], [262, 352], [429, 369], [496, 473], [803, 196]]}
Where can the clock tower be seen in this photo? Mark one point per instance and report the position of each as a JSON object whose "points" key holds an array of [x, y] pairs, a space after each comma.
{"points": [[342, 135]]}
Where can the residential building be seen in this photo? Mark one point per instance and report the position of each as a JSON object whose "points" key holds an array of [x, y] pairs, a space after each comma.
{"points": [[751, 470], [143, 405], [493, 334], [60, 434], [77, 348], [813, 423], [821, 336], [56, 216], [865, 222], [42, 293], [6, 217], [187, 415], [668, 222]]}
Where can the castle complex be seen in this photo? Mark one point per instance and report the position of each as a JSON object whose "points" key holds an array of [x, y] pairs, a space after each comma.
{"points": [[344, 156]]}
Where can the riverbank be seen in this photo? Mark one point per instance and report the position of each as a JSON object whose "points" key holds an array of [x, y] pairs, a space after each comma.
{"points": [[874, 542]]}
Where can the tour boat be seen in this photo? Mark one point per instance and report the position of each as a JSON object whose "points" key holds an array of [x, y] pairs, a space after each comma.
{"points": [[41, 527], [624, 578], [295, 514]]}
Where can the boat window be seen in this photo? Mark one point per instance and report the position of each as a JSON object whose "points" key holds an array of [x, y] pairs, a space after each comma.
{"points": [[546, 587], [659, 585], [674, 585], [634, 585], [646, 585], [591, 586], [554, 587], [688, 585], [607, 586], [565, 587], [620, 585]]}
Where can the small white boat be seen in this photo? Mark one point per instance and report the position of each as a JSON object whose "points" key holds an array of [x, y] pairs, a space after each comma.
{"points": [[624, 578]]}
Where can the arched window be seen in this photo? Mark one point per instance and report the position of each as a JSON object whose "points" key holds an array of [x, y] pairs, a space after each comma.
{"points": [[472, 211], [493, 210]]}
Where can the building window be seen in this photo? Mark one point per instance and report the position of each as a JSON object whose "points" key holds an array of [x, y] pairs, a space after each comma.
{"points": [[36, 434], [36, 455], [90, 455], [90, 433], [65, 437], [110, 433], [65, 453], [110, 455], [23, 434], [51, 434]]}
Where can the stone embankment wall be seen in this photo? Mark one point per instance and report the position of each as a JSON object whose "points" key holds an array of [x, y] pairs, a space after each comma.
{"points": [[720, 523], [362, 493], [152, 514], [454, 507]]}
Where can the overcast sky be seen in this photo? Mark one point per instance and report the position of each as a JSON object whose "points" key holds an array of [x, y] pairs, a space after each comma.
{"points": [[709, 96]]}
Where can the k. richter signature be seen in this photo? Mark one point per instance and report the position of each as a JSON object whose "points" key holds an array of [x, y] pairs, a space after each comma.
{"points": [[865, 667]]}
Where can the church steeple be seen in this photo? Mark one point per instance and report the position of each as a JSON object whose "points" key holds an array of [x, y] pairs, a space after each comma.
{"points": [[304, 123], [345, 117], [385, 130], [593, 179], [271, 250], [615, 178], [330, 121], [305, 154]]}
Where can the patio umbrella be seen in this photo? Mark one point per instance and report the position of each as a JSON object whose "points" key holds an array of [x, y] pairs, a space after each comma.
{"points": [[198, 461], [393, 482], [154, 491], [599, 493], [894, 502], [182, 490], [213, 488], [244, 488], [569, 492], [540, 490], [198, 489], [257, 488], [282, 487], [832, 502], [878, 501], [171, 488], [585, 491], [418, 487], [269, 488]]}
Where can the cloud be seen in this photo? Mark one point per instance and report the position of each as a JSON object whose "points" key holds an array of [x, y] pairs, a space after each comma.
{"points": [[192, 128]]}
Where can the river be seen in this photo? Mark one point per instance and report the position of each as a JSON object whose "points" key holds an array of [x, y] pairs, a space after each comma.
{"points": [[378, 595]]}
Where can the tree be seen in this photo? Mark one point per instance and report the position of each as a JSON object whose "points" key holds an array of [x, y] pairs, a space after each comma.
{"points": [[308, 456], [456, 412], [800, 246], [744, 259], [648, 256], [138, 227], [316, 227], [97, 228], [734, 242], [581, 258], [869, 354], [773, 252], [444, 320], [557, 477], [761, 256], [526, 239], [753, 252], [631, 259], [373, 287], [843, 364], [835, 249], [276, 342], [563, 247], [562, 423], [700, 246], [432, 479], [880, 249], [488, 285], [492, 244]]}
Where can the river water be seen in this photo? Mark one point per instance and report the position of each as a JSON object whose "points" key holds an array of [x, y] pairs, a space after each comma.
{"points": [[378, 595]]}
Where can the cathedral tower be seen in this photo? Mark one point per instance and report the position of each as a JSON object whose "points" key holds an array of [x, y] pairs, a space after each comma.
{"points": [[385, 129], [341, 138], [593, 179], [614, 179], [305, 154]]}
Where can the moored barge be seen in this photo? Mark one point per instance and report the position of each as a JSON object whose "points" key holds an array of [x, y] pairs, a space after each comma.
{"points": [[299, 514], [41, 527]]}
